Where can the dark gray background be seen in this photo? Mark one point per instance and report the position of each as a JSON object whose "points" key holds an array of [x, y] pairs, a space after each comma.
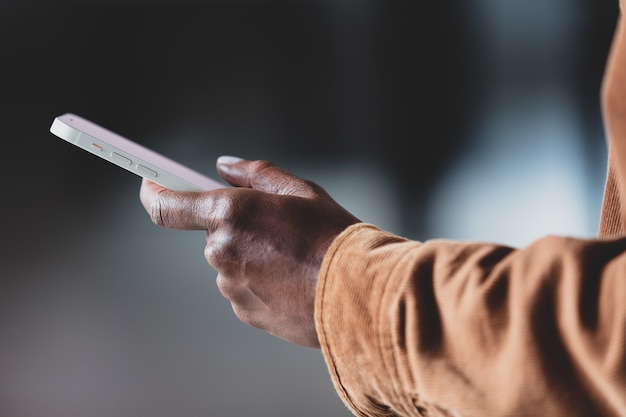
{"points": [[474, 119]]}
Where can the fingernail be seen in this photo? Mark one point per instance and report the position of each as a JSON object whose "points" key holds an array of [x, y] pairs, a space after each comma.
{"points": [[227, 159]]}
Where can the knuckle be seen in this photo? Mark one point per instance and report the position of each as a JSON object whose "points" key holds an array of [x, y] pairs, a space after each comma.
{"points": [[246, 316], [234, 292], [284, 182], [226, 207], [157, 211], [231, 209], [225, 287], [163, 209], [260, 165], [300, 187], [221, 253], [310, 187], [213, 256]]}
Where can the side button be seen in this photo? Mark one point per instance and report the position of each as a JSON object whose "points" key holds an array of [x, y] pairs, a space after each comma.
{"points": [[120, 159], [146, 171]]}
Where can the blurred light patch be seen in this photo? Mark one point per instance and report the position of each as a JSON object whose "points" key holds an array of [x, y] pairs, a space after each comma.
{"points": [[525, 178]]}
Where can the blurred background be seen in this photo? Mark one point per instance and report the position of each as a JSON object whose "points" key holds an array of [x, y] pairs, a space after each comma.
{"points": [[473, 119]]}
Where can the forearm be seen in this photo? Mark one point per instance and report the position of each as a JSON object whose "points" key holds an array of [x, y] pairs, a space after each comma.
{"points": [[474, 328]]}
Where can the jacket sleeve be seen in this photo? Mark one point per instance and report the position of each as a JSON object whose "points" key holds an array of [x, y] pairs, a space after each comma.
{"points": [[474, 329], [613, 100]]}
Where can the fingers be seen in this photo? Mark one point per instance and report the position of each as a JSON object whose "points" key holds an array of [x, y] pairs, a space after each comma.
{"points": [[203, 210], [175, 209], [263, 176]]}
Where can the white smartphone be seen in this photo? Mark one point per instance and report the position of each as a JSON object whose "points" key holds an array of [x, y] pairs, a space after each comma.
{"points": [[130, 155]]}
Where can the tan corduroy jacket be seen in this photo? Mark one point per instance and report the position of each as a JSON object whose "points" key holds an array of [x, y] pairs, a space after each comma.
{"points": [[445, 328]]}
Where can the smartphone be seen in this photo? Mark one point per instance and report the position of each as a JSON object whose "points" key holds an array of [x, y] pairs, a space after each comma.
{"points": [[130, 155]]}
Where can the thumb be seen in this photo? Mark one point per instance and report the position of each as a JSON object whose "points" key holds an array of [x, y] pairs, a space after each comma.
{"points": [[263, 176]]}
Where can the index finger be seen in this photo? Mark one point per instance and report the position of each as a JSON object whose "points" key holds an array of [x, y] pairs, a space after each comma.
{"points": [[180, 210]]}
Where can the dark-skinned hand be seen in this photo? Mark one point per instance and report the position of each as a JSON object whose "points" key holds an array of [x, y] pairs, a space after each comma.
{"points": [[266, 237]]}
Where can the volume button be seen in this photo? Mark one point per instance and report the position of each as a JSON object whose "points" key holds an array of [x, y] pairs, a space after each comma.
{"points": [[120, 159], [146, 171]]}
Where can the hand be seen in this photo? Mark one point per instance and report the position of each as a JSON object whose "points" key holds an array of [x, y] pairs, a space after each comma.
{"points": [[266, 237]]}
